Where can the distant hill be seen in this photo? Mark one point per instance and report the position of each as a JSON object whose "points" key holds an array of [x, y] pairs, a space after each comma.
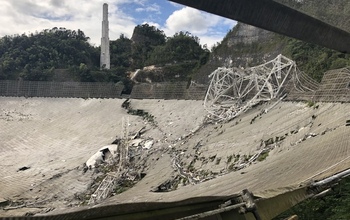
{"points": [[336, 13], [246, 46], [60, 54], [35, 56]]}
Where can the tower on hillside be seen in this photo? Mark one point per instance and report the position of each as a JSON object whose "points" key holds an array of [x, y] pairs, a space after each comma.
{"points": [[105, 62]]}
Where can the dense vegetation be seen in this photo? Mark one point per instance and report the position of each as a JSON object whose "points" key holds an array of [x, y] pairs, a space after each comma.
{"points": [[146, 38], [35, 56], [314, 59], [334, 206], [180, 56], [332, 12], [66, 55], [310, 58], [39, 56]]}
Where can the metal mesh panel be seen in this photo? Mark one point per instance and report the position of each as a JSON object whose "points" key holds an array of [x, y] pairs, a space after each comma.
{"points": [[60, 89], [334, 86], [176, 90]]}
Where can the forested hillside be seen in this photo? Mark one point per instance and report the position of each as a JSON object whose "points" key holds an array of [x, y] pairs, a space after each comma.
{"points": [[35, 56], [60, 54], [336, 13], [246, 46]]}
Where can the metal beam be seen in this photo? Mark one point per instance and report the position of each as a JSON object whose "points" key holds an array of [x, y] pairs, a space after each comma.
{"points": [[278, 18]]}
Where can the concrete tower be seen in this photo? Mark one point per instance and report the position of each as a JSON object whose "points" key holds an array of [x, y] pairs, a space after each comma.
{"points": [[105, 62]]}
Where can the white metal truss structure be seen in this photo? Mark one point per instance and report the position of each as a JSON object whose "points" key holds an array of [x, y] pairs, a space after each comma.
{"points": [[108, 183], [233, 91], [103, 190]]}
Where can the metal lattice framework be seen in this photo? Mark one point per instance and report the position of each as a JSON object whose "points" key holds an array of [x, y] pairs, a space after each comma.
{"points": [[233, 91], [108, 183]]}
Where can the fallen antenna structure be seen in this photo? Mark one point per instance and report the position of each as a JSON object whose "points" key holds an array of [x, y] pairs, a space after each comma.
{"points": [[233, 91], [109, 182]]}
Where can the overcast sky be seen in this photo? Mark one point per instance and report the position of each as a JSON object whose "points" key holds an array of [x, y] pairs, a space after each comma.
{"points": [[28, 16]]}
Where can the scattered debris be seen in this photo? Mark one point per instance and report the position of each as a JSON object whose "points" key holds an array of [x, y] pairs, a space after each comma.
{"points": [[136, 142], [14, 115], [148, 144], [293, 217], [94, 160], [140, 112], [139, 133], [168, 185], [123, 168], [23, 168], [3, 202], [101, 156], [103, 190], [347, 123], [21, 204]]}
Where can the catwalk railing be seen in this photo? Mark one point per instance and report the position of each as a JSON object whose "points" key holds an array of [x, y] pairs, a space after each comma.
{"points": [[60, 89], [166, 90], [176, 90], [335, 87]]}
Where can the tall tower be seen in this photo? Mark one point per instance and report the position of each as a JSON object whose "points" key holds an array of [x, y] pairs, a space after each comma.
{"points": [[105, 62]]}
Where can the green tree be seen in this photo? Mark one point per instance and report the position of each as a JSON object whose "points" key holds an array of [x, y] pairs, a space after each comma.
{"points": [[145, 38], [121, 52], [315, 60], [181, 47], [183, 55], [42, 51], [334, 206]]}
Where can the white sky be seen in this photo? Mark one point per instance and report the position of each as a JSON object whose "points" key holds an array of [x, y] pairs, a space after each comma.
{"points": [[28, 16]]}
